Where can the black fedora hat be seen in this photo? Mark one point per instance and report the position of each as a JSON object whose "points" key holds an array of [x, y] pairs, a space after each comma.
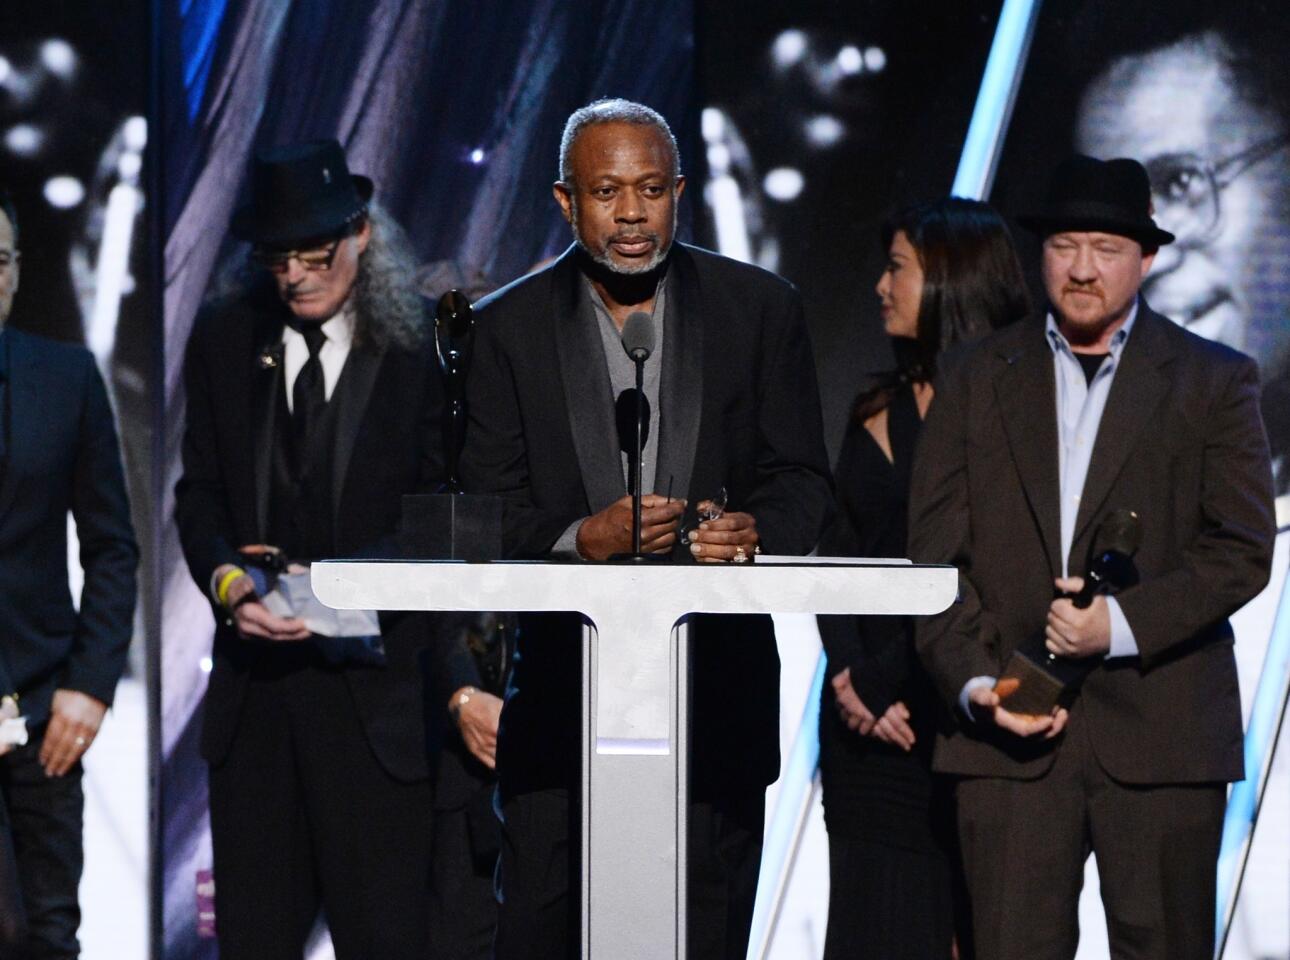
{"points": [[1106, 196], [301, 192]]}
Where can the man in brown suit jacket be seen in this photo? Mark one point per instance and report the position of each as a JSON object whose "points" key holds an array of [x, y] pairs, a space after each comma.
{"points": [[1037, 433]]}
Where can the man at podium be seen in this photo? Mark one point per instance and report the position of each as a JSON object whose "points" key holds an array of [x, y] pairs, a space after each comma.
{"points": [[733, 419]]}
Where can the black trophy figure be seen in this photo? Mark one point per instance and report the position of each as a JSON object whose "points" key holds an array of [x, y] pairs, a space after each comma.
{"points": [[451, 524], [454, 339], [1035, 680]]}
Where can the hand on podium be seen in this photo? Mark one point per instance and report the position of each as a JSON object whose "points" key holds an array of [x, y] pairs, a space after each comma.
{"points": [[726, 538], [1072, 632], [986, 702], [609, 532]]}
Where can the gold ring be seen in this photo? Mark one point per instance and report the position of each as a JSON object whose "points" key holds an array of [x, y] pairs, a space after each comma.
{"points": [[740, 556]]}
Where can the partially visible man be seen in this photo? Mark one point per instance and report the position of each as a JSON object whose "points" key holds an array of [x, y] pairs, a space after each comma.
{"points": [[313, 404], [735, 407], [59, 665], [1037, 434]]}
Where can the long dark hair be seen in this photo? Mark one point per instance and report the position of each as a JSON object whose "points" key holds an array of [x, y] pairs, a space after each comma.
{"points": [[972, 283]]}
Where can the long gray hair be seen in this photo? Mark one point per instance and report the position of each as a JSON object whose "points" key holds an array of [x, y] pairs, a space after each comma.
{"points": [[388, 309]]}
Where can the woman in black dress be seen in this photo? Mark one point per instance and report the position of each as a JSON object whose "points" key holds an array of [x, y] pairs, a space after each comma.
{"points": [[952, 273]]}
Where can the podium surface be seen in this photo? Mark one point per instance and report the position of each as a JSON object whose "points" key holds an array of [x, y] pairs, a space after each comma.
{"points": [[635, 683]]}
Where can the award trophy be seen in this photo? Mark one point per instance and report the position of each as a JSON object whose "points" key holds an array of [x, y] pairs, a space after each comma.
{"points": [[1035, 680], [453, 525]]}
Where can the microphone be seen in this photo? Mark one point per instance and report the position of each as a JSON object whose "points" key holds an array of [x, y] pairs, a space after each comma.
{"points": [[638, 342], [1110, 564], [638, 336], [627, 415]]}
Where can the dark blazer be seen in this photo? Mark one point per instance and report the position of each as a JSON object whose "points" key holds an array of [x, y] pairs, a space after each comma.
{"points": [[387, 444], [739, 408], [1181, 442], [60, 453]]}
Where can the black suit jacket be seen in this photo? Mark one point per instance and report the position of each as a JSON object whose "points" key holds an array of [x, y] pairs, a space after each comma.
{"points": [[60, 453], [1181, 442], [739, 408], [387, 444]]}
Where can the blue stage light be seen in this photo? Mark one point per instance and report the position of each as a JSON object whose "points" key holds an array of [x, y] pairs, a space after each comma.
{"points": [[999, 85], [1266, 715]]}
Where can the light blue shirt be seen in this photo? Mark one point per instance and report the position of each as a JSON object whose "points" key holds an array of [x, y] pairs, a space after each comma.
{"points": [[1080, 405]]}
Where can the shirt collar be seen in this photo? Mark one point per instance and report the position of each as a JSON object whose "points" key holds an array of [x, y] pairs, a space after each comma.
{"points": [[339, 330], [1059, 344]]}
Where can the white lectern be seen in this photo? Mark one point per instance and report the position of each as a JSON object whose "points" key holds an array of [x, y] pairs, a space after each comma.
{"points": [[635, 685]]}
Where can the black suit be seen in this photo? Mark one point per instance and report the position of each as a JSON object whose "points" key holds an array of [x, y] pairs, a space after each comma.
{"points": [[1181, 443], [738, 408], [59, 454], [349, 738]]}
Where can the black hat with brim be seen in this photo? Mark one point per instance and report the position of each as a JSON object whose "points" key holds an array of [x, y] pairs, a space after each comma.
{"points": [[1103, 196], [300, 193]]}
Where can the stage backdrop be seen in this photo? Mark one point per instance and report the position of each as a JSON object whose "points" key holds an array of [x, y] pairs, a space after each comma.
{"points": [[455, 110]]}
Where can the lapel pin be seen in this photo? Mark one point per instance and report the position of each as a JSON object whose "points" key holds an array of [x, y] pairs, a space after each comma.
{"points": [[270, 357]]}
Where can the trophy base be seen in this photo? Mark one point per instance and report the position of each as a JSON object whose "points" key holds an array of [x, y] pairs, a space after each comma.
{"points": [[446, 526], [1027, 688]]}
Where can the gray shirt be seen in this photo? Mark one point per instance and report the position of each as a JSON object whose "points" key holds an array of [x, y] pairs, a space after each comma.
{"points": [[622, 376], [622, 373]]}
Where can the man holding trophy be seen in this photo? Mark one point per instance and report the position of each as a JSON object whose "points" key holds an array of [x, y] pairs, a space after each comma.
{"points": [[1099, 438]]}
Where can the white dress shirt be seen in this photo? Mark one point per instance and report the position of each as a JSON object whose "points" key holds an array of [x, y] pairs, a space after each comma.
{"points": [[339, 331]]}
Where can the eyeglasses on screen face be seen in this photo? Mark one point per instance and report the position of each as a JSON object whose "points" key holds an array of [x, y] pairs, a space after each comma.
{"points": [[1186, 189], [314, 259]]}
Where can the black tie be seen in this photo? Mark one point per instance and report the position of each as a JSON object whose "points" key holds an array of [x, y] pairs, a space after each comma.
{"points": [[308, 396]]}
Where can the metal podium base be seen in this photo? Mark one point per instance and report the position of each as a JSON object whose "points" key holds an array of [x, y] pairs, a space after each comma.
{"points": [[635, 692]]}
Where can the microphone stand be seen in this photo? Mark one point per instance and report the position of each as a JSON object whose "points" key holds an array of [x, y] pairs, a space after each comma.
{"points": [[640, 448]]}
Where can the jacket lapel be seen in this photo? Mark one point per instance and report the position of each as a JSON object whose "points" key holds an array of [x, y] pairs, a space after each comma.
{"points": [[1136, 391], [1025, 391], [587, 392], [266, 384], [681, 380], [357, 378]]}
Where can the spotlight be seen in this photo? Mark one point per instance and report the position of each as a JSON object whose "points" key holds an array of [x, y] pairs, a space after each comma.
{"points": [[207, 665], [64, 192], [135, 133], [824, 130], [875, 59], [713, 123], [477, 156], [850, 60], [718, 159], [789, 47], [784, 184], [129, 165], [6, 69], [58, 57], [24, 140]]}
